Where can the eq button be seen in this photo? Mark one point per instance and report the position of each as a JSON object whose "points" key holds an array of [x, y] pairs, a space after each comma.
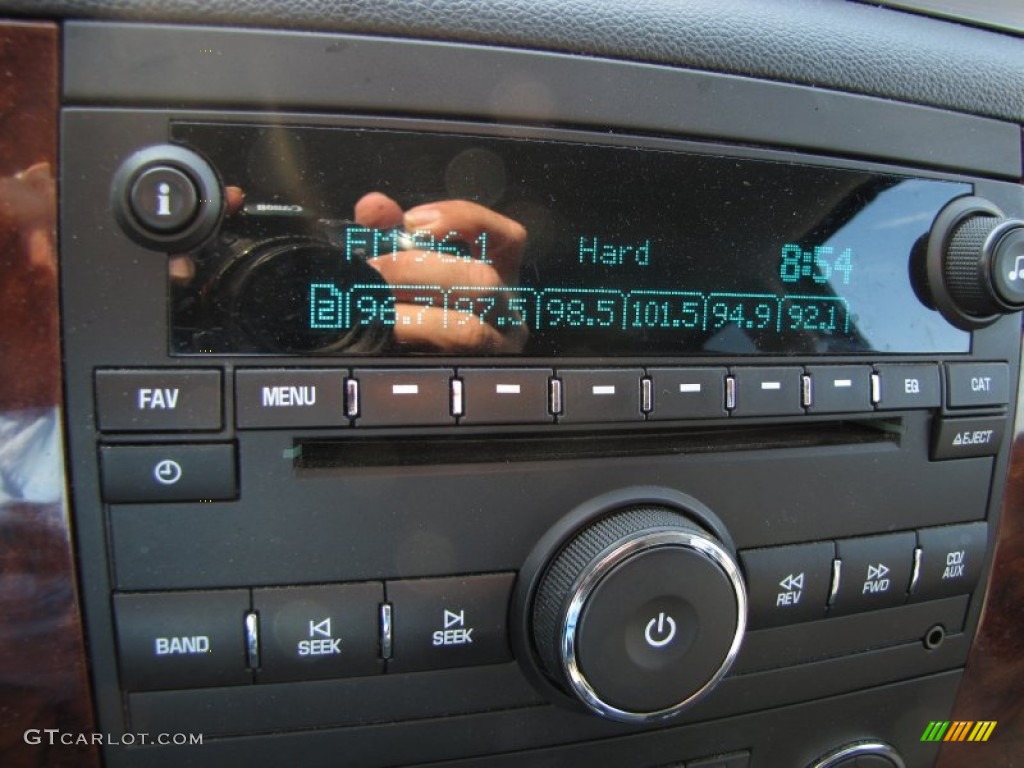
{"points": [[908, 386]]}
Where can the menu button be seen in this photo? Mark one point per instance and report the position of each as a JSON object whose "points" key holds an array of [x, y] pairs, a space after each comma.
{"points": [[290, 398]]}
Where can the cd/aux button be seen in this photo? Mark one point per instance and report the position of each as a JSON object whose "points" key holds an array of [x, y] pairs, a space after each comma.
{"points": [[951, 559]]}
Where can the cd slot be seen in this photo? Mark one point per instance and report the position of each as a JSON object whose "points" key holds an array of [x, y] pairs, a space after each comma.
{"points": [[318, 454]]}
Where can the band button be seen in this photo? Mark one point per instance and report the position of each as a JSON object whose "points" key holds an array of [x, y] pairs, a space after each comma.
{"points": [[181, 639]]}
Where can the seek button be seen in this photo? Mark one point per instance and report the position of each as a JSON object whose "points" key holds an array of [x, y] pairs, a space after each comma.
{"points": [[452, 622]]}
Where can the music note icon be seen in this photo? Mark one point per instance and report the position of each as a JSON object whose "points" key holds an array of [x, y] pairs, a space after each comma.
{"points": [[1016, 273]]}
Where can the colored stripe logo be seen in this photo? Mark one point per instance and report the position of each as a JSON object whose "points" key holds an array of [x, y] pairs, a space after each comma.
{"points": [[959, 730]]}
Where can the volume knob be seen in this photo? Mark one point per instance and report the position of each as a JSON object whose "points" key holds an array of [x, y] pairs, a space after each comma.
{"points": [[976, 263], [640, 614]]}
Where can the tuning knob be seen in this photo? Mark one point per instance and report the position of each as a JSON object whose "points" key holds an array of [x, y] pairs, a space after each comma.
{"points": [[975, 264], [639, 614]]}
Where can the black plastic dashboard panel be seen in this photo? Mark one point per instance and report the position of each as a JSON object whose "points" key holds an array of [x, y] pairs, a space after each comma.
{"points": [[835, 45], [296, 524]]}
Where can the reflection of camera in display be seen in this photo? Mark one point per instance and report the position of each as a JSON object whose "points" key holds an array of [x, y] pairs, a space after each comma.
{"points": [[256, 281]]}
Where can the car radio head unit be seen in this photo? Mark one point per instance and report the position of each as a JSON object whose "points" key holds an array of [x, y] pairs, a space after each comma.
{"points": [[553, 249], [388, 425]]}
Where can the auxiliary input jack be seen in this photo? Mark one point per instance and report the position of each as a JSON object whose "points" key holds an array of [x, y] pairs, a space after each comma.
{"points": [[934, 637]]}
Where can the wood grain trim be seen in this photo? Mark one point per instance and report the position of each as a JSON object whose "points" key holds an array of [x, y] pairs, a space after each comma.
{"points": [[43, 666], [994, 678]]}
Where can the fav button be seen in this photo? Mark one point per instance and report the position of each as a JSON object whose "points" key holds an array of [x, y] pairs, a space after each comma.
{"points": [[875, 572], [309, 633], [450, 622], [181, 639], [158, 400]]}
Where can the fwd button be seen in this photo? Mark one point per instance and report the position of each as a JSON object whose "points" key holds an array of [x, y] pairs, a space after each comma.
{"points": [[874, 572]]}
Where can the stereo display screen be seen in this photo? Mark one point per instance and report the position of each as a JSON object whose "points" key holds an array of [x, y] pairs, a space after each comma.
{"points": [[373, 242]]}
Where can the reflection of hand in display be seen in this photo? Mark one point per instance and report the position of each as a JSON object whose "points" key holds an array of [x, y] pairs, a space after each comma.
{"points": [[481, 275]]}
